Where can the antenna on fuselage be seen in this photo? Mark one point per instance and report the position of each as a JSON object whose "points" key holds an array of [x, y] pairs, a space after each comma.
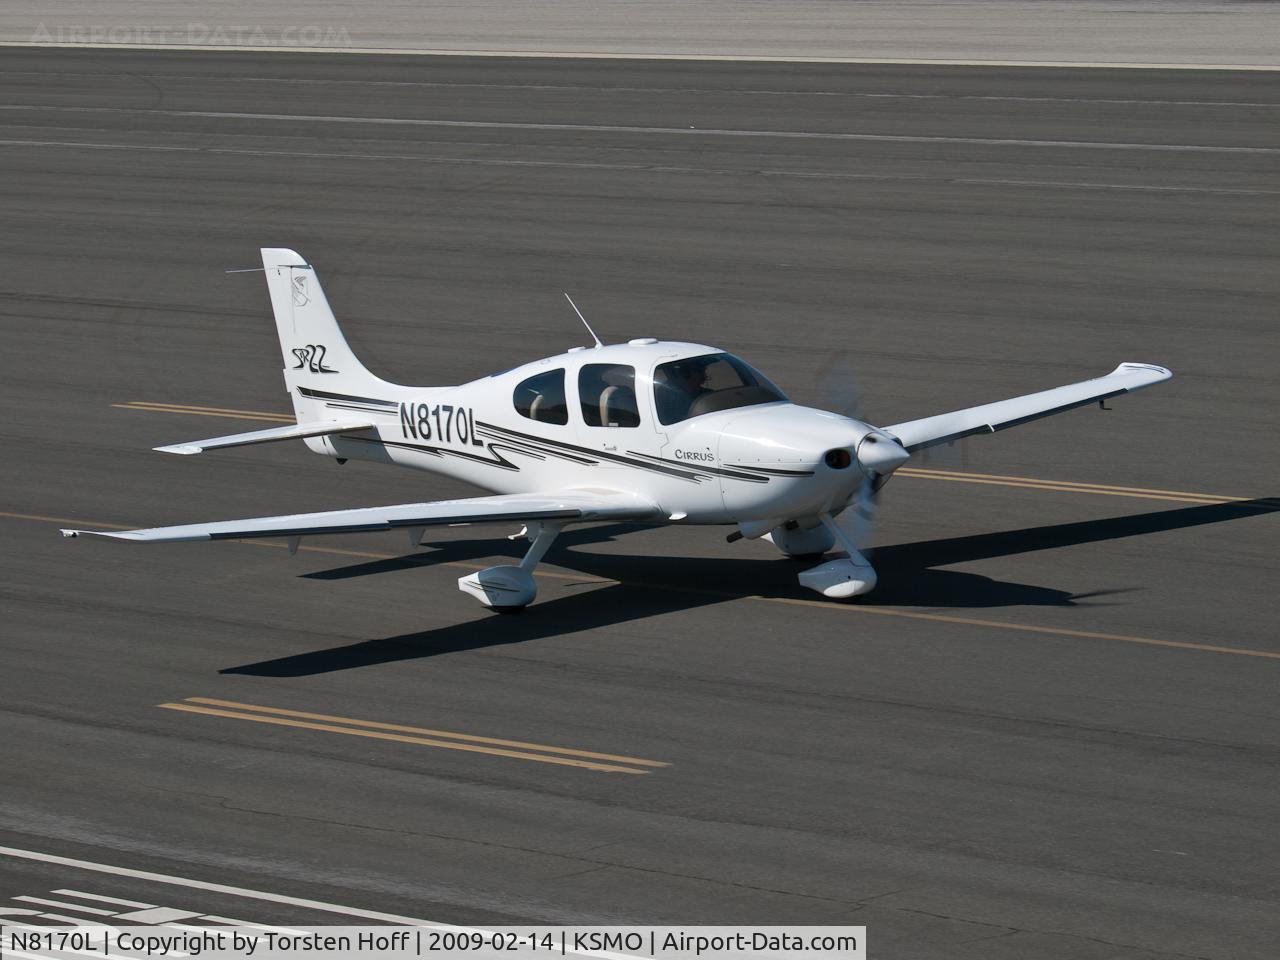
{"points": [[584, 320]]}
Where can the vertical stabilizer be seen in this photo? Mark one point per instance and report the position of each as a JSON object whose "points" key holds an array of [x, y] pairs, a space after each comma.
{"points": [[316, 354]]}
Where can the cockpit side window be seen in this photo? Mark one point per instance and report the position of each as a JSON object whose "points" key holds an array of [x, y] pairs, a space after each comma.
{"points": [[542, 398], [607, 392], [698, 385]]}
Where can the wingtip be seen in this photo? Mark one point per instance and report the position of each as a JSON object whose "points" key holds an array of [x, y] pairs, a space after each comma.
{"points": [[1137, 376], [182, 449], [1163, 373], [112, 534]]}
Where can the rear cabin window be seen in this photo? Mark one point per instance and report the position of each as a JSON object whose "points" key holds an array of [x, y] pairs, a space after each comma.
{"points": [[608, 395], [541, 398]]}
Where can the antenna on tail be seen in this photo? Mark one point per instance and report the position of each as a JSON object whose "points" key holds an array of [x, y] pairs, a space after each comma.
{"points": [[584, 320]]}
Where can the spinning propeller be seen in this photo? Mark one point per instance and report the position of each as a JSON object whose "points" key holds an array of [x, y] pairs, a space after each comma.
{"points": [[877, 455]]}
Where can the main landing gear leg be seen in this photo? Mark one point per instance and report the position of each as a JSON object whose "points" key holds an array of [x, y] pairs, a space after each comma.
{"points": [[841, 579], [509, 589]]}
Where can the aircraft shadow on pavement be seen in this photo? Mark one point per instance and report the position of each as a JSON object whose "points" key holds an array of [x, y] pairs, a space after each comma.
{"points": [[615, 603], [907, 571], [649, 586]]}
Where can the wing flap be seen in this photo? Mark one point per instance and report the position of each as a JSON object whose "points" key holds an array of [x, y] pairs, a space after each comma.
{"points": [[992, 417], [580, 506], [292, 431]]}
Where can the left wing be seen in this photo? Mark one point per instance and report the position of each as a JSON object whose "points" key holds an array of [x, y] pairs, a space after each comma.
{"points": [[567, 507], [991, 417]]}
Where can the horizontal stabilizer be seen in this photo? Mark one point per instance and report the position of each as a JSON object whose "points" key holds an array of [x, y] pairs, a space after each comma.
{"points": [[293, 431], [991, 417], [567, 507]]}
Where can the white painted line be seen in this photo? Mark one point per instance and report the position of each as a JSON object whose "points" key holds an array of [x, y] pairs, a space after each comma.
{"points": [[642, 167], [191, 884], [103, 146], [78, 921], [664, 131], [99, 897], [1077, 184], [602, 55], [157, 915], [742, 91], [319, 906], [737, 91], [69, 906]]}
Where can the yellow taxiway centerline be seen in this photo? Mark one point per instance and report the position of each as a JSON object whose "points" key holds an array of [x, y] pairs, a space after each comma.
{"points": [[792, 601], [1030, 628], [924, 471], [227, 411], [1056, 487], [400, 728], [64, 521], [403, 738], [197, 412]]}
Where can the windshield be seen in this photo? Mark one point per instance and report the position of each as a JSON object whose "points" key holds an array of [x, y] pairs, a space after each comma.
{"points": [[698, 385]]}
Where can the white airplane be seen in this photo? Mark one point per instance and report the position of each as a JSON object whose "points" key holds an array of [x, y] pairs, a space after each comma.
{"points": [[646, 431]]}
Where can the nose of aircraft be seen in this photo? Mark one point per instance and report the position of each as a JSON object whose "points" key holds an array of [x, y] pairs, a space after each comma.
{"points": [[790, 433], [789, 437]]}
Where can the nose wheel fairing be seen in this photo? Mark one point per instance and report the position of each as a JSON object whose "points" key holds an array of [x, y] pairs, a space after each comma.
{"points": [[840, 579], [845, 577]]}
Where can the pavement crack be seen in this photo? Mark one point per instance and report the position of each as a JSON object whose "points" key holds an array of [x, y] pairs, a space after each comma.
{"points": [[1004, 928], [1007, 932]]}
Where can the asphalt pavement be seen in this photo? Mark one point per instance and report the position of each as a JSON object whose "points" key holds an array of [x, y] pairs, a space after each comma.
{"points": [[1051, 732]]}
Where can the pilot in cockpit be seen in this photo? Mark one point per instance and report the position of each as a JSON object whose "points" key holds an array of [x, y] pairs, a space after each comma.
{"points": [[689, 378]]}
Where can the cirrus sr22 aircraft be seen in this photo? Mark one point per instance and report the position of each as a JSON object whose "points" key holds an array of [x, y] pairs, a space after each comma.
{"points": [[648, 431]]}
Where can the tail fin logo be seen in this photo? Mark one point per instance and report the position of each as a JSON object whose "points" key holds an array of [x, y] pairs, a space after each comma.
{"points": [[300, 296], [311, 357]]}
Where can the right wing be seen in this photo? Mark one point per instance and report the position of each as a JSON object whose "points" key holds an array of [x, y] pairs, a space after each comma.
{"points": [[990, 417], [570, 506]]}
